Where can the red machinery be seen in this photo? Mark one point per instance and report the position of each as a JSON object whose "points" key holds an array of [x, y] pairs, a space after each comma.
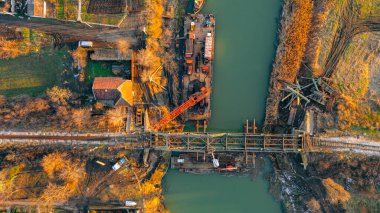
{"points": [[194, 99]]}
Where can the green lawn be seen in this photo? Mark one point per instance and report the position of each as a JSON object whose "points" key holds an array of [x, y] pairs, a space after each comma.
{"points": [[102, 69], [99, 69], [32, 74]]}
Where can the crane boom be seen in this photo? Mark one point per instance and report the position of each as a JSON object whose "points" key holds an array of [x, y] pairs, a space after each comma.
{"points": [[194, 99]]}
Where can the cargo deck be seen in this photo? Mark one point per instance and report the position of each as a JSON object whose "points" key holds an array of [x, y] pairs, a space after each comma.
{"points": [[198, 65]]}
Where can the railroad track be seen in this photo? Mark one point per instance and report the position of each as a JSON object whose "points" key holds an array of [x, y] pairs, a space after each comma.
{"points": [[197, 142]]}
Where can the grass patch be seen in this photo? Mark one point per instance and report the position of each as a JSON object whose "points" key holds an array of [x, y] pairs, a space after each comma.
{"points": [[103, 69], [99, 69], [373, 133], [61, 9], [32, 74]]}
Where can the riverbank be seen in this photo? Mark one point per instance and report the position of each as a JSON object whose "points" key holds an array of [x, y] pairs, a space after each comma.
{"points": [[355, 179], [353, 61]]}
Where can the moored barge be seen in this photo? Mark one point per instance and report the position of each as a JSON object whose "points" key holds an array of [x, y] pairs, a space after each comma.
{"points": [[198, 64]]}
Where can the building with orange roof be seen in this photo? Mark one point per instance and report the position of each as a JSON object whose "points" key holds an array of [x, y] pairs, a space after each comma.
{"points": [[113, 91]]}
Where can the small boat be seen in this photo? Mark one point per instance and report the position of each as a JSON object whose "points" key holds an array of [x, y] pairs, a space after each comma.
{"points": [[198, 4]]}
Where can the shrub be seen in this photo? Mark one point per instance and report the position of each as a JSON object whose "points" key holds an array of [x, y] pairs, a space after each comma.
{"points": [[335, 192]]}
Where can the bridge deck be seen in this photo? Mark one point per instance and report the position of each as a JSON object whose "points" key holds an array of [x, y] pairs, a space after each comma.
{"points": [[197, 142]]}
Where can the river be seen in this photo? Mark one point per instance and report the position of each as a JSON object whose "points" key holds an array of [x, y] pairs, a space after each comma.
{"points": [[245, 48]]}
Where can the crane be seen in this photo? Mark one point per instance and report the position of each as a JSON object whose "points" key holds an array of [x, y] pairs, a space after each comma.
{"points": [[194, 99]]}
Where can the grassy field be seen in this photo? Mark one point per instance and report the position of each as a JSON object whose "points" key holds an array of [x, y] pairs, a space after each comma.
{"points": [[32, 74]]}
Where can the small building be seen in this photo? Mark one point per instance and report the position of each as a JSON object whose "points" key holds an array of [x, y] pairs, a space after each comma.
{"points": [[113, 91], [111, 55]]}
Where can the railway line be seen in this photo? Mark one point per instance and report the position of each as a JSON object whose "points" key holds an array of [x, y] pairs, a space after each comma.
{"points": [[199, 142]]}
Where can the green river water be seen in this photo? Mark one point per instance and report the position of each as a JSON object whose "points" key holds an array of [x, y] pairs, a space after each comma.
{"points": [[245, 47]]}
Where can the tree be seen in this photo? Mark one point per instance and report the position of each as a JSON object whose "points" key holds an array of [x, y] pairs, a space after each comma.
{"points": [[58, 95], [80, 54], [54, 162], [116, 117], [146, 58], [64, 175], [36, 105], [123, 46], [3, 100], [81, 117]]}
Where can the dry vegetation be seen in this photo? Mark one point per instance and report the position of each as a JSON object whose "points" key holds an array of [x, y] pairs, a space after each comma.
{"points": [[59, 96], [356, 74], [158, 51], [321, 12], [295, 27], [335, 192], [293, 38], [21, 42], [314, 205], [64, 175], [56, 111], [123, 46], [352, 79], [71, 176]]}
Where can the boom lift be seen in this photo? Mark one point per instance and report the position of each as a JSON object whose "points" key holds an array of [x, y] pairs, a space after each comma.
{"points": [[194, 99]]}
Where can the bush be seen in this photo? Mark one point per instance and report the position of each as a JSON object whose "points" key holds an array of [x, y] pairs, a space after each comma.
{"points": [[58, 95], [335, 192]]}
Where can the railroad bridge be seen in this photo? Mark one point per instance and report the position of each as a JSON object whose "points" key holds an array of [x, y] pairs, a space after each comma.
{"points": [[198, 142]]}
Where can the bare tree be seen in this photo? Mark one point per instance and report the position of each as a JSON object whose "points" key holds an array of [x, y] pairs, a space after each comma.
{"points": [[59, 95], [123, 46], [116, 117], [81, 117], [80, 54], [146, 58]]}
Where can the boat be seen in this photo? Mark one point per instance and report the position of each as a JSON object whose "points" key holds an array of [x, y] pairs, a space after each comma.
{"points": [[198, 4]]}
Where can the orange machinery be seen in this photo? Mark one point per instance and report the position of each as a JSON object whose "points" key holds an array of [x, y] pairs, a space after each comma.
{"points": [[194, 99]]}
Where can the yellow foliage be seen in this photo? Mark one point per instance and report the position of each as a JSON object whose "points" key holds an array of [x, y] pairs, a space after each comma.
{"points": [[155, 10], [352, 113], [59, 95], [55, 193], [335, 192], [154, 205], [148, 188], [54, 162], [60, 169], [80, 54], [116, 117]]}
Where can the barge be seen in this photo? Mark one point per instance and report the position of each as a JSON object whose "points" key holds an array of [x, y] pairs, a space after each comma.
{"points": [[198, 63]]}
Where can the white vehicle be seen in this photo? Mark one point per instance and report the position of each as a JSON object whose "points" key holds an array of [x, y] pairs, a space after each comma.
{"points": [[85, 44], [119, 164], [130, 203]]}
